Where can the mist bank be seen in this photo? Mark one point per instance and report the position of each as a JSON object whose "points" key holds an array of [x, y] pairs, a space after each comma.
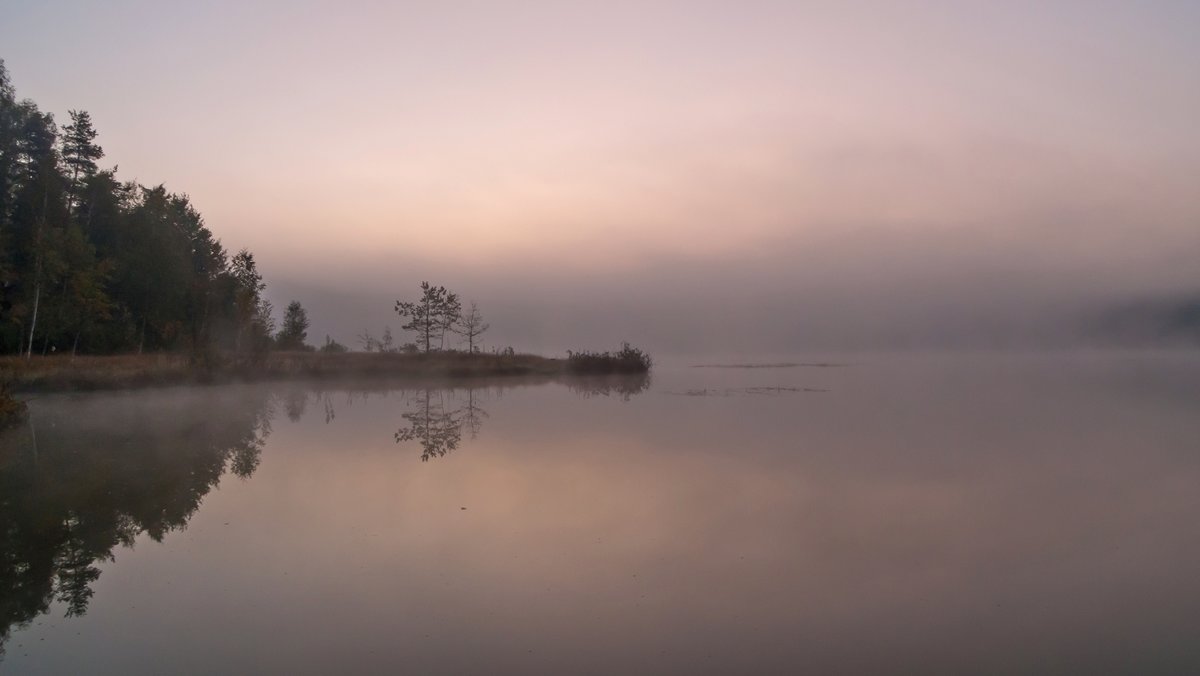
{"points": [[871, 289]]}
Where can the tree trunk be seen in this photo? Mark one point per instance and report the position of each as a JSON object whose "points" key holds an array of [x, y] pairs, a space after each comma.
{"points": [[142, 339], [37, 297], [33, 437], [75, 346], [37, 268]]}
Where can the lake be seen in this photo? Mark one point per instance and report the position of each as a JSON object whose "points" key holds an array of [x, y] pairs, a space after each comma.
{"points": [[871, 513]]}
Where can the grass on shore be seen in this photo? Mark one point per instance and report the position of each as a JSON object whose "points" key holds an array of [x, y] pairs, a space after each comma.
{"points": [[64, 373]]}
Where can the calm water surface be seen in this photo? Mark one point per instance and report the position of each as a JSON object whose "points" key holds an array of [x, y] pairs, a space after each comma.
{"points": [[898, 514]]}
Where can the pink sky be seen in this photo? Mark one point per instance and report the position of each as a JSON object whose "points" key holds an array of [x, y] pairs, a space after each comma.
{"points": [[536, 154]]}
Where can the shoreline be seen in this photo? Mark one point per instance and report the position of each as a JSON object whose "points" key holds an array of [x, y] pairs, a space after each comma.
{"points": [[127, 372]]}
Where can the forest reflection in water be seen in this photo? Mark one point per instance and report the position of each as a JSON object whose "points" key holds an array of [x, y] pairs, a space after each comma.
{"points": [[911, 513], [88, 475], [439, 414], [75, 487]]}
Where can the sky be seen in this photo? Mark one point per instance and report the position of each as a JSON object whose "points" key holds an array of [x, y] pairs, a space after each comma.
{"points": [[691, 176]]}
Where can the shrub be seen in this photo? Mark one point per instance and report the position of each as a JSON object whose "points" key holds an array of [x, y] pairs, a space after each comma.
{"points": [[626, 360], [332, 346]]}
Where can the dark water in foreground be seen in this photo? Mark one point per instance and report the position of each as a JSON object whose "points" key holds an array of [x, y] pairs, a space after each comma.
{"points": [[902, 514]]}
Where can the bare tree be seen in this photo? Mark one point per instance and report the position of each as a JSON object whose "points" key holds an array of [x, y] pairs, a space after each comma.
{"points": [[471, 325], [387, 344], [369, 342]]}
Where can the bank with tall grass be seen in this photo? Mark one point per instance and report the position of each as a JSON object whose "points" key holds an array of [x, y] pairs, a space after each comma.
{"points": [[86, 373]]}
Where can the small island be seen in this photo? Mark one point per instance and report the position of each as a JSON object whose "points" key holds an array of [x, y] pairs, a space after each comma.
{"points": [[106, 372], [110, 284]]}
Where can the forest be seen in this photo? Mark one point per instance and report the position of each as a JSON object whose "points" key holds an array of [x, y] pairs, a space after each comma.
{"points": [[93, 264], [106, 269]]}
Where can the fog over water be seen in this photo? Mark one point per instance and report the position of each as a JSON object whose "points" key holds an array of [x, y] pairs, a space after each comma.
{"points": [[919, 281], [1023, 513], [690, 176]]}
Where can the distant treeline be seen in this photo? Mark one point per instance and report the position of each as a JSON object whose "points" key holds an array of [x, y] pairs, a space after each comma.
{"points": [[95, 264], [1169, 321]]}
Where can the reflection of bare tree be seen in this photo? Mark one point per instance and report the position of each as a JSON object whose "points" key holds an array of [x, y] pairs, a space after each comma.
{"points": [[437, 427], [473, 415], [330, 414]]}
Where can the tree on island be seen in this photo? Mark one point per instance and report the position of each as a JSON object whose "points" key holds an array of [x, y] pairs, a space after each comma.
{"points": [[430, 317], [471, 326], [295, 328]]}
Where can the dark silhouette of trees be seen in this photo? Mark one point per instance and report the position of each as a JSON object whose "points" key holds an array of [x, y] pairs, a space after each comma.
{"points": [[295, 328], [93, 264], [60, 514], [79, 153], [436, 312]]}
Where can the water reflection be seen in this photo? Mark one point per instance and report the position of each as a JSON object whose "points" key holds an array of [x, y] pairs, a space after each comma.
{"points": [[433, 424], [438, 417], [621, 386], [925, 515], [73, 489]]}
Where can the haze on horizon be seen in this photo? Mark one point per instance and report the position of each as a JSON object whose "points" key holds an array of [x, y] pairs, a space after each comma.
{"points": [[690, 176]]}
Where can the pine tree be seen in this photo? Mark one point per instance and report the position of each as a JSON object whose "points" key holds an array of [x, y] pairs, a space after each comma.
{"points": [[79, 153], [88, 260], [431, 316], [37, 209]]}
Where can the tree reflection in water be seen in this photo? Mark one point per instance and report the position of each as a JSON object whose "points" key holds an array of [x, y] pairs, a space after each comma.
{"points": [[73, 489], [438, 416], [76, 486], [437, 427]]}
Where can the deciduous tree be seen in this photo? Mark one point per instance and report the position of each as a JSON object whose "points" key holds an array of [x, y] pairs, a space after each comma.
{"points": [[471, 326], [295, 328]]}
